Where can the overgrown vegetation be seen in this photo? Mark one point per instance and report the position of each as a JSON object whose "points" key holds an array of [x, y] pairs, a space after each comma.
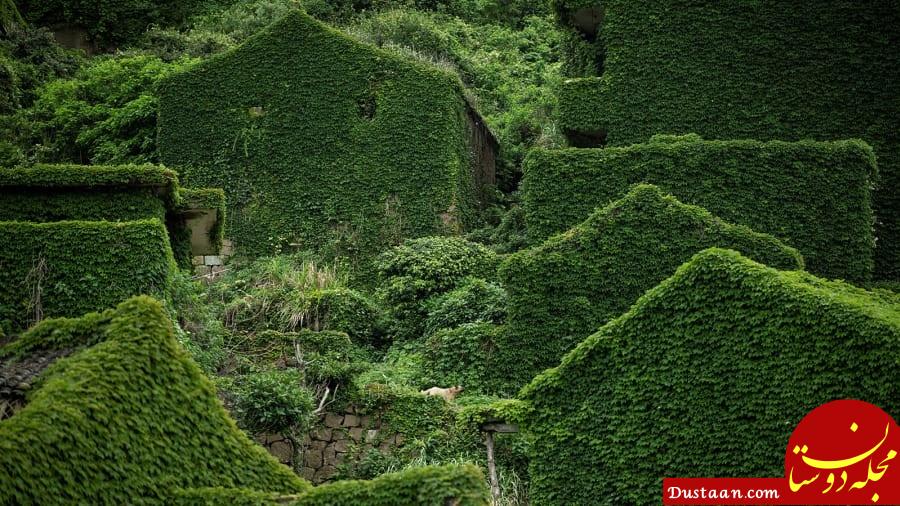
{"points": [[371, 267], [653, 377], [816, 196], [755, 71], [566, 288]]}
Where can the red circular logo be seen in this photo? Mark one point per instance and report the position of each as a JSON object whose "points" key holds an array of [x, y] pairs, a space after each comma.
{"points": [[846, 452]]}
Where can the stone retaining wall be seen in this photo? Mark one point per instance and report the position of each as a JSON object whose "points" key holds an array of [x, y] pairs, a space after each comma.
{"points": [[336, 439]]}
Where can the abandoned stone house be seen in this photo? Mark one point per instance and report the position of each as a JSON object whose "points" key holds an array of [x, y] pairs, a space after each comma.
{"points": [[320, 139]]}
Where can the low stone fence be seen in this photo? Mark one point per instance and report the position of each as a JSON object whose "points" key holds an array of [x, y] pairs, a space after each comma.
{"points": [[336, 438]]}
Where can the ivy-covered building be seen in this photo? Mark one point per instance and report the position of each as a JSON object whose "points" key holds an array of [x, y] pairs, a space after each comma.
{"points": [[321, 141], [706, 375], [766, 70], [123, 415], [563, 290], [84, 238], [815, 196]]}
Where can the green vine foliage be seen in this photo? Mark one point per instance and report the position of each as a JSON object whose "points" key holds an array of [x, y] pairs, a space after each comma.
{"points": [[360, 150], [68, 268], [565, 289], [752, 70], [273, 401], [815, 196], [426, 486], [463, 355], [475, 300], [60, 192], [108, 22], [44, 193], [423, 268], [128, 420], [706, 375], [104, 114]]}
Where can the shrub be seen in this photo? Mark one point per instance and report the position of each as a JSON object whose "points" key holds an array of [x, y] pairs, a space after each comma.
{"points": [[348, 311], [324, 357], [756, 71], [293, 292], [127, 420], [474, 301], [565, 289], [104, 114], [706, 375], [273, 401], [72, 267], [462, 356], [422, 268], [813, 195], [30, 57], [228, 120], [107, 23], [508, 236]]}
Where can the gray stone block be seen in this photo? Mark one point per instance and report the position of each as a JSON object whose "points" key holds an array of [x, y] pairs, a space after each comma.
{"points": [[283, 451], [313, 458], [324, 474]]}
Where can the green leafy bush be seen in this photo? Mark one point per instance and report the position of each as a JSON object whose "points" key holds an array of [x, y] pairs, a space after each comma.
{"points": [[104, 114], [29, 57], [293, 292], [349, 311], [565, 289], [422, 268], [813, 195], [726, 350], [324, 357], [128, 420], [463, 356], [474, 301], [273, 401], [751, 70], [213, 30], [69, 268], [508, 236], [397, 163], [107, 23]]}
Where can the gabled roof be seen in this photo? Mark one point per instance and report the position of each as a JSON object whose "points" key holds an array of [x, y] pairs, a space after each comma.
{"points": [[707, 374]]}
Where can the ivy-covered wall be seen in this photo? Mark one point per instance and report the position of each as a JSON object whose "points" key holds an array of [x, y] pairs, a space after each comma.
{"points": [[706, 375], [78, 192], [117, 193], [321, 141], [565, 289], [68, 268], [424, 486], [751, 70], [815, 196], [127, 421]]}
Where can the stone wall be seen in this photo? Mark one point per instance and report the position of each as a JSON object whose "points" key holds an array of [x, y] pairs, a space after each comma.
{"points": [[336, 439], [210, 267]]}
